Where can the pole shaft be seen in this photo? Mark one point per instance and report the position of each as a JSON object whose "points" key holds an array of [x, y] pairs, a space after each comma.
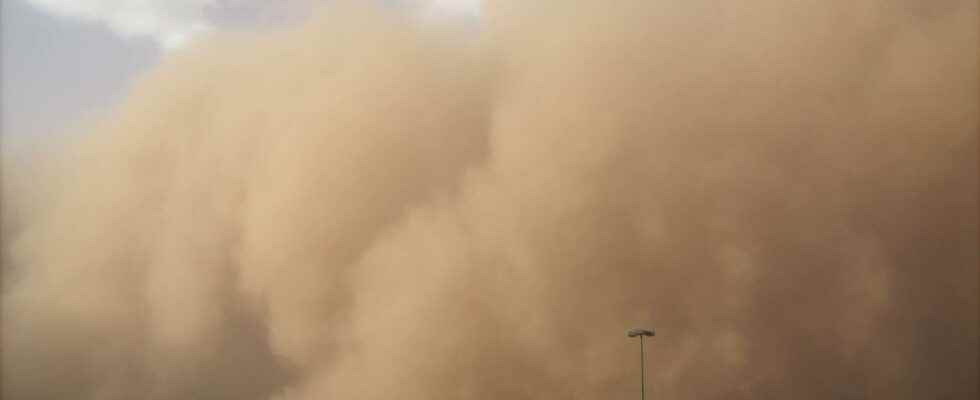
{"points": [[643, 375]]}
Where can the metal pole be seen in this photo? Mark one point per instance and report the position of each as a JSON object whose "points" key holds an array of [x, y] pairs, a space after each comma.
{"points": [[643, 375]]}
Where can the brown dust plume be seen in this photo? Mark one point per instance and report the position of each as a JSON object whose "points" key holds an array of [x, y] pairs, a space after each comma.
{"points": [[377, 206]]}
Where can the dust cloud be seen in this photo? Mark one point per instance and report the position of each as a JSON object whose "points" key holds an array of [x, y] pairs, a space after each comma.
{"points": [[372, 206]]}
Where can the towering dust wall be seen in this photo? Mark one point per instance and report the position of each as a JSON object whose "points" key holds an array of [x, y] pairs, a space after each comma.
{"points": [[371, 207]]}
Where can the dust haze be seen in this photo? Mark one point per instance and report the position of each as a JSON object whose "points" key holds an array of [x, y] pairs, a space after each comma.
{"points": [[373, 205]]}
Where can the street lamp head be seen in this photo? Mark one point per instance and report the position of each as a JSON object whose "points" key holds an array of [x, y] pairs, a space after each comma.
{"points": [[639, 332]]}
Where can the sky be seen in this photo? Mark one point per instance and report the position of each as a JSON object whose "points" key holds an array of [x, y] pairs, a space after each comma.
{"points": [[57, 70], [66, 61]]}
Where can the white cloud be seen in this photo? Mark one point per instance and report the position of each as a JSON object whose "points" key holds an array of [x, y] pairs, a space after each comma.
{"points": [[173, 22], [169, 22]]}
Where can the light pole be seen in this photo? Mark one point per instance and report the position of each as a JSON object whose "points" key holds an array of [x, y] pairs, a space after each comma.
{"points": [[641, 333]]}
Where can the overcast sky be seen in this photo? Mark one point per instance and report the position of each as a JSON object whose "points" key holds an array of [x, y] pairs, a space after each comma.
{"points": [[66, 59], [55, 70]]}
